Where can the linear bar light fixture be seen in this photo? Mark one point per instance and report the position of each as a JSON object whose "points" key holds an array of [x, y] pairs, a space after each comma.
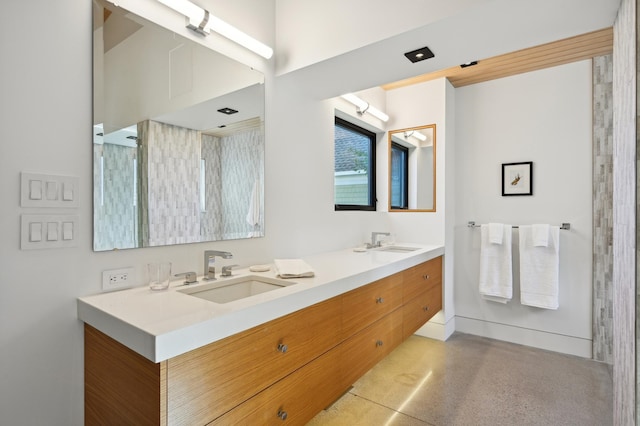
{"points": [[416, 135], [202, 22], [363, 106]]}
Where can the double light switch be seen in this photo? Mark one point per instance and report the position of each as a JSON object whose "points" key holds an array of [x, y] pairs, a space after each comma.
{"points": [[40, 231], [39, 190], [48, 231]]}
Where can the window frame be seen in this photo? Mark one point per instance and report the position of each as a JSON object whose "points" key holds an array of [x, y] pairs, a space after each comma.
{"points": [[373, 139], [405, 175]]}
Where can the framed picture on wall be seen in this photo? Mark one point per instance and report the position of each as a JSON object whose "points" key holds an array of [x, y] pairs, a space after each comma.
{"points": [[517, 178]]}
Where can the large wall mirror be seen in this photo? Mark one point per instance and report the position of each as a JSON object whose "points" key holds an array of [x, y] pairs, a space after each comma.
{"points": [[412, 169], [178, 146]]}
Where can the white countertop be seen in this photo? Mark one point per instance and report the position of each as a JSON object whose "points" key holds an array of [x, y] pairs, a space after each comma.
{"points": [[162, 324]]}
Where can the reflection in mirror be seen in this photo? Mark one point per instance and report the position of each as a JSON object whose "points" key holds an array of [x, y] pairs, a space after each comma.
{"points": [[178, 138], [412, 169]]}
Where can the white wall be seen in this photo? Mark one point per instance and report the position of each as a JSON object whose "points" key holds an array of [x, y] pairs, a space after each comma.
{"points": [[544, 117], [431, 102], [45, 126]]}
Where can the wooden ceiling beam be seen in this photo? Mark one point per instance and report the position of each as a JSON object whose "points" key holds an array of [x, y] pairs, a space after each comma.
{"points": [[547, 55]]}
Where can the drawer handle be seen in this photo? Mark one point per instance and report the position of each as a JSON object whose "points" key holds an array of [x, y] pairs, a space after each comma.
{"points": [[426, 276], [379, 343], [426, 308], [379, 300], [282, 415], [282, 348]]}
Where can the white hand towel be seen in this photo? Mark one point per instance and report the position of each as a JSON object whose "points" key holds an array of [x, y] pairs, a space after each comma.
{"points": [[540, 235], [496, 278], [496, 230], [539, 269], [293, 268]]}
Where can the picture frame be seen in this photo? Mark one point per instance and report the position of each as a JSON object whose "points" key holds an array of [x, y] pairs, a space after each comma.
{"points": [[517, 179]]}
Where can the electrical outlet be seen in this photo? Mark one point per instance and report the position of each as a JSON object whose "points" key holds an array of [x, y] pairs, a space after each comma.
{"points": [[117, 279]]}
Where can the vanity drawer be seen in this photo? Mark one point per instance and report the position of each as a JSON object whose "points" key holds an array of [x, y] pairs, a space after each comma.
{"points": [[294, 400], [365, 305], [421, 309], [207, 382], [421, 277], [364, 350]]}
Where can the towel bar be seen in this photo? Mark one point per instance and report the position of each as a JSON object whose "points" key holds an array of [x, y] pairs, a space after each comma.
{"points": [[565, 226]]}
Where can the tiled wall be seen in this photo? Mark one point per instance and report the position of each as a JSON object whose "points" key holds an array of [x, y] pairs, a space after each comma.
{"points": [[603, 208], [173, 156], [168, 209], [234, 165], [624, 200], [114, 214], [637, 280], [210, 222]]}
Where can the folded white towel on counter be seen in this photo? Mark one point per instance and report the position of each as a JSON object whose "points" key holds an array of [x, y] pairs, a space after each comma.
{"points": [[540, 234], [496, 230], [496, 278], [539, 269], [293, 268]]}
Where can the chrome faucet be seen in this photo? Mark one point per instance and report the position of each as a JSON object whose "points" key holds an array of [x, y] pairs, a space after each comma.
{"points": [[374, 239], [226, 270], [189, 277], [209, 268]]}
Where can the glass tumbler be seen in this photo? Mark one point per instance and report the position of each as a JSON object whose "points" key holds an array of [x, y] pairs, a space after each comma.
{"points": [[159, 274]]}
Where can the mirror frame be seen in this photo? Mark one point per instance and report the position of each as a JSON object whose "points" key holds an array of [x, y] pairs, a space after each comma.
{"points": [[389, 143]]}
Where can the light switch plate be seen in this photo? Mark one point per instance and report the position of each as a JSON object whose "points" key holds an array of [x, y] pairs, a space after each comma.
{"points": [[51, 191], [44, 231]]}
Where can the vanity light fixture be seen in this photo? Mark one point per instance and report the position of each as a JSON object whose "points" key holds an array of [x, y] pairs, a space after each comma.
{"points": [[419, 54], [363, 106], [416, 135], [202, 22]]}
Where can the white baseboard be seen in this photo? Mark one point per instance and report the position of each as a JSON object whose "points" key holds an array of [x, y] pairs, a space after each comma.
{"points": [[437, 330], [538, 339]]}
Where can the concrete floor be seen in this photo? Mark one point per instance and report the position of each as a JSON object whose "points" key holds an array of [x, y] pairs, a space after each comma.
{"points": [[470, 380]]}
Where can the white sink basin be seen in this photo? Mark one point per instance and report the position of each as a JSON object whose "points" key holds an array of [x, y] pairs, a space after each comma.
{"points": [[397, 249], [226, 290]]}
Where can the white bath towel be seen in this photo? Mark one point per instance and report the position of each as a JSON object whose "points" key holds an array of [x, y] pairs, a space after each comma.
{"points": [[496, 230], [540, 235], [539, 269], [496, 278], [293, 268]]}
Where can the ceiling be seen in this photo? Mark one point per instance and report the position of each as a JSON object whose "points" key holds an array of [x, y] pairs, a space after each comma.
{"points": [[488, 31], [547, 55]]}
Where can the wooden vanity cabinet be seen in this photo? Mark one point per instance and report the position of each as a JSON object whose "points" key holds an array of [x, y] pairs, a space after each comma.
{"points": [[365, 305], [283, 371], [120, 386], [207, 382], [294, 400], [420, 278], [366, 348], [421, 295]]}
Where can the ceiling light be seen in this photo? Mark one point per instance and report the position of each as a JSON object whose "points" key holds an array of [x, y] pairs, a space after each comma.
{"points": [[419, 54], [227, 111], [363, 106], [201, 21]]}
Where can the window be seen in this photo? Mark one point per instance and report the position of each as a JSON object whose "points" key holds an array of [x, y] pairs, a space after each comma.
{"points": [[399, 176], [354, 173]]}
